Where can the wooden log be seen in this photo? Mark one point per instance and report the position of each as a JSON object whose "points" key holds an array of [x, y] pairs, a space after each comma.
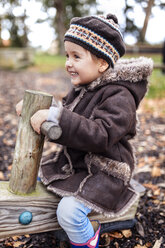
{"points": [[29, 145], [50, 129], [42, 204]]}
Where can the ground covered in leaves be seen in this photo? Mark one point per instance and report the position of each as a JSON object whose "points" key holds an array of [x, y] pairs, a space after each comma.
{"points": [[149, 230]]}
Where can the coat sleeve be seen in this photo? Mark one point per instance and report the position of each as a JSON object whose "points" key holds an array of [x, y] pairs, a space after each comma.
{"points": [[112, 120]]}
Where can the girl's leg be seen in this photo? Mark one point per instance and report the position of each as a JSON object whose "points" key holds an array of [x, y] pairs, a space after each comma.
{"points": [[72, 217]]}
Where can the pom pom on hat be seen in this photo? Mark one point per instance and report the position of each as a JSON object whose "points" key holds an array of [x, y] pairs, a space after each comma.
{"points": [[98, 34], [113, 17]]}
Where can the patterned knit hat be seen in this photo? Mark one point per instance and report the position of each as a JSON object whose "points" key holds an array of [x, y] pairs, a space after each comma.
{"points": [[100, 35]]}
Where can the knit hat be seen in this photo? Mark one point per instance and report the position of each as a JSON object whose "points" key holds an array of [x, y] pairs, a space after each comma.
{"points": [[100, 35]]}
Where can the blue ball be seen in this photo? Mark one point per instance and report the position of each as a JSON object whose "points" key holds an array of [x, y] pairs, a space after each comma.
{"points": [[25, 218]]}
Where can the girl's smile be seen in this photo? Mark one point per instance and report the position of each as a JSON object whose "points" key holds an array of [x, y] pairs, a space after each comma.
{"points": [[81, 65]]}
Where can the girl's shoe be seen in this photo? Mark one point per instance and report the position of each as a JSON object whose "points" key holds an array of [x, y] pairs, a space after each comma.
{"points": [[94, 241]]}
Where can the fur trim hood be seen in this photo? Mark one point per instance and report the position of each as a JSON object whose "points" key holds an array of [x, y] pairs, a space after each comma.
{"points": [[126, 70]]}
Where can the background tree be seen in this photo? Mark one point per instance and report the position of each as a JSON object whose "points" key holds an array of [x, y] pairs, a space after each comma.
{"points": [[15, 25], [1, 32], [147, 6], [65, 10]]}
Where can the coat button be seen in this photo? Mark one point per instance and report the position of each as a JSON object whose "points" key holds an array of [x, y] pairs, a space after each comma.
{"points": [[25, 218]]}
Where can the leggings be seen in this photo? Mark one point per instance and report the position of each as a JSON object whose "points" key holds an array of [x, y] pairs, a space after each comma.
{"points": [[72, 217]]}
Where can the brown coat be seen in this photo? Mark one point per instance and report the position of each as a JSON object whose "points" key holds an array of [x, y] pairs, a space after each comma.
{"points": [[96, 161]]}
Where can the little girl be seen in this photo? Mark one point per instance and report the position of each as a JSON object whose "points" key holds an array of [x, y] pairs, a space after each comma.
{"points": [[92, 171]]}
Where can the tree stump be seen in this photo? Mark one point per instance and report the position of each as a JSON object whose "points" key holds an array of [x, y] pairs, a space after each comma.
{"points": [[29, 145]]}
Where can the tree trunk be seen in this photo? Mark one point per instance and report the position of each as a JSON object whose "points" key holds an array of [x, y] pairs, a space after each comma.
{"points": [[0, 32], [148, 13], [29, 145], [60, 24]]}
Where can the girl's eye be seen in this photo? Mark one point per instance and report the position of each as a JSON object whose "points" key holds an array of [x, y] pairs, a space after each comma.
{"points": [[76, 56], [67, 56]]}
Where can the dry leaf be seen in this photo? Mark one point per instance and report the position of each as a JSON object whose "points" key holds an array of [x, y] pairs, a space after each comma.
{"points": [[9, 167], [15, 238], [140, 229], [141, 164], [116, 245], [150, 186], [27, 235], [18, 243], [156, 202], [151, 159], [158, 243], [148, 244], [106, 240], [7, 244], [127, 233], [116, 235], [8, 142], [1, 176], [156, 172], [140, 246], [156, 192]]}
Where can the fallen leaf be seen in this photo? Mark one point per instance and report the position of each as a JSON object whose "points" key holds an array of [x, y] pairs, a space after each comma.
{"points": [[150, 186], [105, 240], [140, 229], [9, 167], [152, 159], [158, 243], [127, 233], [1, 176], [156, 172], [140, 246], [116, 245], [156, 192], [116, 235], [156, 202], [27, 235], [15, 238], [148, 244], [18, 243], [7, 244]]}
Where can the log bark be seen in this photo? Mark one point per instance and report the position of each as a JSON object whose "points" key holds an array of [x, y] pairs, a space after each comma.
{"points": [[29, 145]]}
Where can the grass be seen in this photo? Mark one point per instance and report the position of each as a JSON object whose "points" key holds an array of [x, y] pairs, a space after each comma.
{"points": [[46, 63], [157, 85]]}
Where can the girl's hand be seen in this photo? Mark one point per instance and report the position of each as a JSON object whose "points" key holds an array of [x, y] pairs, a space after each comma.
{"points": [[38, 118], [19, 107]]}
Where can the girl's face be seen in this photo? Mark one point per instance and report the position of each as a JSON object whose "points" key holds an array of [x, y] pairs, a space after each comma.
{"points": [[82, 66]]}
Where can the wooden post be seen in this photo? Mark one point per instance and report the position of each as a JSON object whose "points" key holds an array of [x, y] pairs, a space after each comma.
{"points": [[29, 145]]}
